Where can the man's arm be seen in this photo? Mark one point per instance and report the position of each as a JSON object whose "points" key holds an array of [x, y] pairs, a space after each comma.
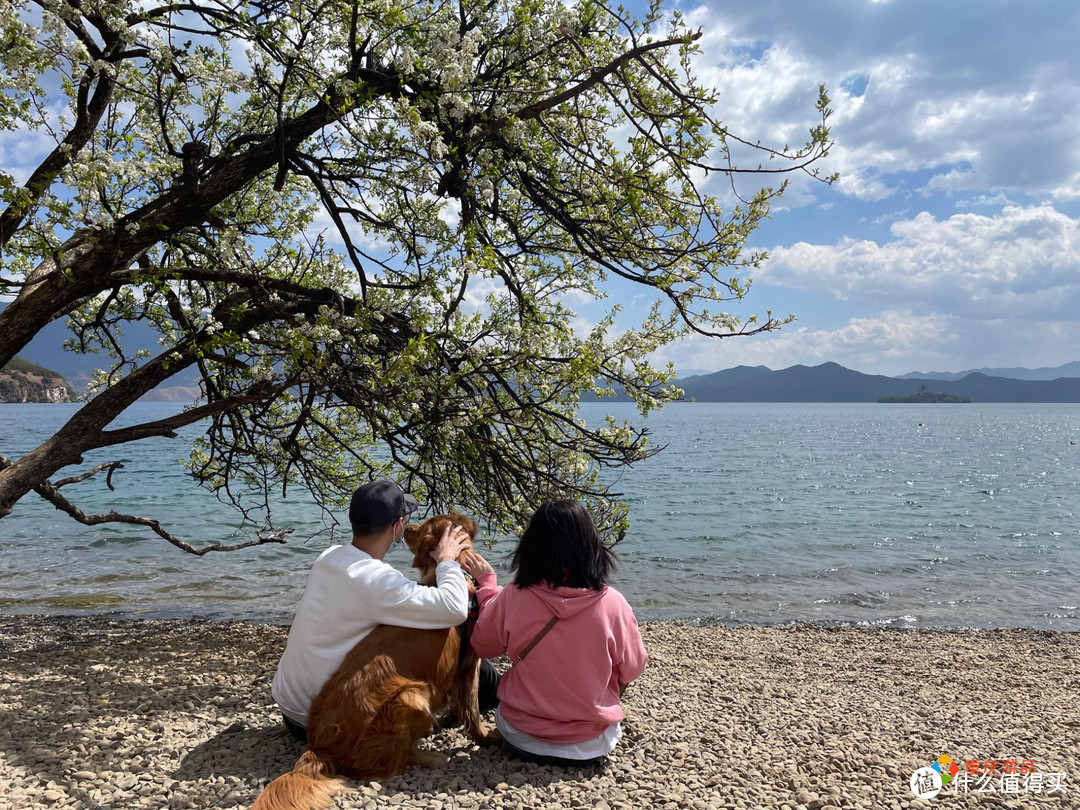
{"points": [[400, 601]]}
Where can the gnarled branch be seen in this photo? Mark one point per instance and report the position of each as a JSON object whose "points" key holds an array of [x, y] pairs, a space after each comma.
{"points": [[51, 493]]}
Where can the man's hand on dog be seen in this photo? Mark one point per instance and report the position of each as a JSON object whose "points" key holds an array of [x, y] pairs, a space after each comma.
{"points": [[475, 565], [454, 540]]}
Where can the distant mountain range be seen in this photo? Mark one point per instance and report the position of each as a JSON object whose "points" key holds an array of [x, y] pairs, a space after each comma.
{"points": [[828, 382], [692, 372], [1067, 370], [831, 382]]}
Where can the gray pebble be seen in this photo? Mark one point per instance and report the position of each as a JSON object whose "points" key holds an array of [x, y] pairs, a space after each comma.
{"points": [[178, 715]]}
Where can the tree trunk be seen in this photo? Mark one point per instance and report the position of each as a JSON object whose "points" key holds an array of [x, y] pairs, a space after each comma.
{"points": [[94, 261], [83, 431]]}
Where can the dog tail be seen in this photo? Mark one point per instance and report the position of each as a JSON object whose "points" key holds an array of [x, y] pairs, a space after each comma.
{"points": [[309, 786]]}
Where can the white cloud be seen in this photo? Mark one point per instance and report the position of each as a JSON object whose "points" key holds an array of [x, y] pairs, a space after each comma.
{"points": [[450, 212], [987, 100], [477, 292], [322, 223], [22, 149], [1068, 189], [891, 342], [1019, 262], [995, 201], [769, 98], [863, 343]]}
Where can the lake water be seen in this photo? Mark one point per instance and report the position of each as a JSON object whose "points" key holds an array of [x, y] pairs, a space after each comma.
{"points": [[894, 515]]}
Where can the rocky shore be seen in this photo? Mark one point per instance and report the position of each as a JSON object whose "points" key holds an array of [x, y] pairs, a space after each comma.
{"points": [[99, 713]]}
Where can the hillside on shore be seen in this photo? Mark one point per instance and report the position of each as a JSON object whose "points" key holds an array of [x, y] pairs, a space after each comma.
{"points": [[47, 350], [21, 381]]}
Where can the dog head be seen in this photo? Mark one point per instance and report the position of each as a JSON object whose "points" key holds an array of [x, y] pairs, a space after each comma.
{"points": [[423, 537]]}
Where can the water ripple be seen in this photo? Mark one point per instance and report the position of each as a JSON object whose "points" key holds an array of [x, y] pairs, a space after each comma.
{"points": [[768, 513]]}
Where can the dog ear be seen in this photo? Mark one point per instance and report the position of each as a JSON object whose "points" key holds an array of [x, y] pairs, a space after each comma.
{"points": [[467, 524], [471, 527], [423, 540], [416, 540]]}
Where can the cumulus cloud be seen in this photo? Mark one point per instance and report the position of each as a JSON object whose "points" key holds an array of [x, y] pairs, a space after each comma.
{"points": [[861, 344], [1021, 262], [22, 149], [891, 342], [984, 102]]}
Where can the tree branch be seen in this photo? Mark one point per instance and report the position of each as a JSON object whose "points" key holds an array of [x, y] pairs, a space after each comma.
{"points": [[598, 75], [51, 493], [111, 466], [89, 114], [167, 427]]}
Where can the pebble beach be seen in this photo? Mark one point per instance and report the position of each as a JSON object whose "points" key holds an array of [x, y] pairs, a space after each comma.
{"points": [[104, 713]]}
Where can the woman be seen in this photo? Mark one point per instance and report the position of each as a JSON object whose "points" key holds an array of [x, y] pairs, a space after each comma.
{"points": [[573, 641]]}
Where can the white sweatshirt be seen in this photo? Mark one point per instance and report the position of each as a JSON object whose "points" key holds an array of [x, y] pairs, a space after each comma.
{"points": [[348, 594]]}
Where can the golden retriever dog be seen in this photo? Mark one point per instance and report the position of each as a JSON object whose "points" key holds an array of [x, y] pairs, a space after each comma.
{"points": [[366, 721]]}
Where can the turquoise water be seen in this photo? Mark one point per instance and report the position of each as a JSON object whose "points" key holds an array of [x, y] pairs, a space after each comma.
{"points": [[897, 515]]}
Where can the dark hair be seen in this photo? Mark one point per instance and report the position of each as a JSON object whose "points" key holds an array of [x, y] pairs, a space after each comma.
{"points": [[562, 547]]}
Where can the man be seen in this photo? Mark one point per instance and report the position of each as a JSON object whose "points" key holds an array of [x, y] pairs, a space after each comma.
{"points": [[350, 591]]}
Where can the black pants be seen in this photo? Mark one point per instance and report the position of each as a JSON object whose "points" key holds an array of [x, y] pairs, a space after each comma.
{"points": [[487, 698], [488, 687]]}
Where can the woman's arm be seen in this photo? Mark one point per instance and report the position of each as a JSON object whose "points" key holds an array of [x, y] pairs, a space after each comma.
{"points": [[633, 655], [480, 570], [489, 638]]}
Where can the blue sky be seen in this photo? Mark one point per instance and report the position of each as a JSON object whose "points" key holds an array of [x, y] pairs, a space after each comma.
{"points": [[951, 240]]}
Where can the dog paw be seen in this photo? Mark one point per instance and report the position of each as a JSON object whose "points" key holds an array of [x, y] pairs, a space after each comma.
{"points": [[493, 737], [448, 720]]}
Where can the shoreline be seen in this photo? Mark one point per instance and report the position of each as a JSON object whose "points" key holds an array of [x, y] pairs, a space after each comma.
{"points": [[106, 712], [284, 619]]}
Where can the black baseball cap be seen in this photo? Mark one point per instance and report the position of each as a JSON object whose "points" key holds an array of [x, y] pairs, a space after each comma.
{"points": [[379, 503]]}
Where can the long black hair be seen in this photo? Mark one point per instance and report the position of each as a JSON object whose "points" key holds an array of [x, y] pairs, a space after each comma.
{"points": [[562, 547]]}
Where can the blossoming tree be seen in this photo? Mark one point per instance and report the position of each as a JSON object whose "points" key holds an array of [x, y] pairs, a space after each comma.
{"points": [[362, 224]]}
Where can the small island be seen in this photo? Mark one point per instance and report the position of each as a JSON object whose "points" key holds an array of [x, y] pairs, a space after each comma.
{"points": [[923, 395]]}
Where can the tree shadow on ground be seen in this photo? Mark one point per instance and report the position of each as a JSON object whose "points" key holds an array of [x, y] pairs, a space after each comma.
{"points": [[86, 706], [261, 753]]}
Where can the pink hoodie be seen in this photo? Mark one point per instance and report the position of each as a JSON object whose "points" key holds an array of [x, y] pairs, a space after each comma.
{"points": [[567, 688]]}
